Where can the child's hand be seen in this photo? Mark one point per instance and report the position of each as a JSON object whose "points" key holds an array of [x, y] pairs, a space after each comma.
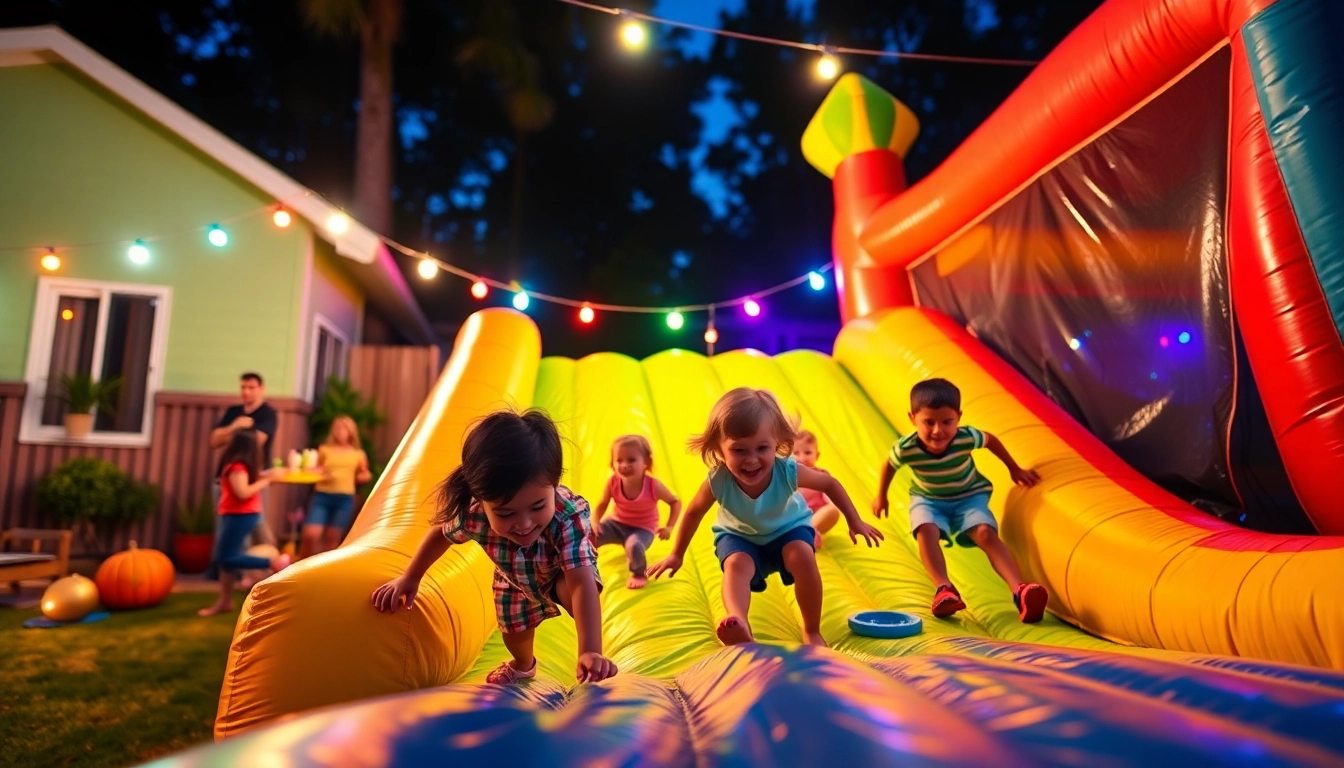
{"points": [[594, 667], [1027, 477], [670, 565], [880, 507], [868, 532], [386, 597], [664, 532]]}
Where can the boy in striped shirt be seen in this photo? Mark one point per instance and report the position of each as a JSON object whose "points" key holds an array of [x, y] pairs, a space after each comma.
{"points": [[949, 498]]}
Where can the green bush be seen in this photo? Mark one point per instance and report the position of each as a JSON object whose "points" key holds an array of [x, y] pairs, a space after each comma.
{"points": [[81, 394], [341, 399], [197, 517], [88, 494]]}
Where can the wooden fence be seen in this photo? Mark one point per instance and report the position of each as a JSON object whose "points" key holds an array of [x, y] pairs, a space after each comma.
{"points": [[398, 379], [179, 460]]}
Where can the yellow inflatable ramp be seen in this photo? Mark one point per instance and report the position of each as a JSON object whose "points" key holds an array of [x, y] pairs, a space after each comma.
{"points": [[1190, 669]]}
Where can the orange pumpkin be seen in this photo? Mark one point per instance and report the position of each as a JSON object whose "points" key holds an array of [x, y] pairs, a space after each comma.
{"points": [[136, 578]]}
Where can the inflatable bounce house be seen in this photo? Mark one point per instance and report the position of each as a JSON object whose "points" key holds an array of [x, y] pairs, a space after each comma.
{"points": [[1132, 269]]}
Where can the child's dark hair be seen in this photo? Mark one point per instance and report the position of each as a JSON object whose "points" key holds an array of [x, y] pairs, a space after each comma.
{"points": [[244, 448], [502, 453], [935, 393]]}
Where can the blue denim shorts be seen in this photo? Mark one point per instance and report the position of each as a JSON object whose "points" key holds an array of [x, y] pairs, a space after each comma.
{"points": [[331, 510], [769, 557], [954, 517]]}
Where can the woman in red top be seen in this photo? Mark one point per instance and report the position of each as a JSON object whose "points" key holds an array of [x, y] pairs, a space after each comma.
{"points": [[240, 486], [636, 494]]}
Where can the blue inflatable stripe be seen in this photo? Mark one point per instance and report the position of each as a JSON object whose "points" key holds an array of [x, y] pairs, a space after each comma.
{"points": [[1296, 53]]}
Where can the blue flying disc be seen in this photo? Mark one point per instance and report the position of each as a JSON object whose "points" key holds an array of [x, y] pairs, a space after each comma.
{"points": [[886, 624]]}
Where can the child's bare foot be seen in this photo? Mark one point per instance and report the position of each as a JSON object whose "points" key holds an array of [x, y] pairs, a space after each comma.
{"points": [[637, 581], [216, 608], [815, 638], [734, 631]]}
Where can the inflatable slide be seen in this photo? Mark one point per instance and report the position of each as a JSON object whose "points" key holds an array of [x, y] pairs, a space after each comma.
{"points": [[1173, 634]]}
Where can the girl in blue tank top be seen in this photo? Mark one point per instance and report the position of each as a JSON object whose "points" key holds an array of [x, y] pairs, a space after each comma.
{"points": [[763, 526]]}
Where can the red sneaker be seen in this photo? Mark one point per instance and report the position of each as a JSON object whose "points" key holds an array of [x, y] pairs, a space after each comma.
{"points": [[947, 601], [1031, 600]]}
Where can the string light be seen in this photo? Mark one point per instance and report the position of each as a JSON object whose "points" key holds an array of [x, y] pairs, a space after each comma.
{"points": [[67, 315], [427, 268], [827, 66], [751, 307], [633, 15], [711, 336], [815, 281], [632, 32], [338, 223], [520, 301], [217, 237], [1075, 344], [1184, 337], [586, 314], [138, 253], [51, 262], [675, 320], [281, 218], [479, 289]]}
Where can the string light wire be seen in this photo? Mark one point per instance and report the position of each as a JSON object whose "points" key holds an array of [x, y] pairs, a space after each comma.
{"points": [[823, 49]]}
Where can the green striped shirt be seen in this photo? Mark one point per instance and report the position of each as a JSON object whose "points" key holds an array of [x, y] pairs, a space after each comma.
{"points": [[950, 475]]}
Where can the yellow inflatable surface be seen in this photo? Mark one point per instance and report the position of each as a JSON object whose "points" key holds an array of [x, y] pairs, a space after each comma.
{"points": [[1152, 579]]}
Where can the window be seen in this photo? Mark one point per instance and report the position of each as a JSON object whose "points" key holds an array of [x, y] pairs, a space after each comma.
{"points": [[329, 353], [103, 330]]}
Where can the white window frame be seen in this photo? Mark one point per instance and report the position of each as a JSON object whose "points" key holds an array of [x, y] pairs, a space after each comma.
{"points": [[322, 323], [49, 293]]}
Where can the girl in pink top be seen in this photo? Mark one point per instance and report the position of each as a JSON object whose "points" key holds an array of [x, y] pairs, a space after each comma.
{"points": [[824, 514], [636, 494]]}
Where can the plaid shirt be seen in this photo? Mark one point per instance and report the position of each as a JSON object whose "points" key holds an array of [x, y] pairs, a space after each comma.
{"points": [[525, 577]]}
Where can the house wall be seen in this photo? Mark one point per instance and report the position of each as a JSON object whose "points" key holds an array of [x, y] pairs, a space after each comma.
{"points": [[80, 166], [333, 295]]}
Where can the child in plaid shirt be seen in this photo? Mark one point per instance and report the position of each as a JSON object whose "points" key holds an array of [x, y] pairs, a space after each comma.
{"points": [[506, 496]]}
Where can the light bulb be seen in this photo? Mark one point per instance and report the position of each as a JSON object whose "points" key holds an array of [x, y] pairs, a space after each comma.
{"points": [[675, 320], [828, 67], [816, 281], [217, 237], [281, 218], [427, 268], [479, 289], [711, 335], [138, 253], [632, 34], [586, 314], [338, 223], [520, 301], [51, 262], [751, 308]]}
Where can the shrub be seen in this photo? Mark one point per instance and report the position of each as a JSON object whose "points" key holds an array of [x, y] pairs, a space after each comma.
{"points": [[88, 494]]}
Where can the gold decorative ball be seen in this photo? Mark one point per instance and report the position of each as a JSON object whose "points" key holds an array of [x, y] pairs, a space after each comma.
{"points": [[70, 599]]}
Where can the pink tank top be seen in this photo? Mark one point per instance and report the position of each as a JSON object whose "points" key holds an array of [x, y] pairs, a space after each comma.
{"points": [[639, 512], [815, 499]]}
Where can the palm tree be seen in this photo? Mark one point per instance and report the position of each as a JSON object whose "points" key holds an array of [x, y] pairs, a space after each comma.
{"points": [[376, 23], [498, 50]]}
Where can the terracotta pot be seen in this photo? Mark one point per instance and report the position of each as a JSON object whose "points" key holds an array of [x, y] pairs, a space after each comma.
{"points": [[192, 551], [78, 424]]}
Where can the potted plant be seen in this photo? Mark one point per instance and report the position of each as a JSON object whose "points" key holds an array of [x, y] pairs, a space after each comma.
{"points": [[88, 494], [81, 393], [195, 538]]}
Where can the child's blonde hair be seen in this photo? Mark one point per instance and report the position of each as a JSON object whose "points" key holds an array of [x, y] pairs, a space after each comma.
{"points": [[639, 443], [739, 414], [351, 427]]}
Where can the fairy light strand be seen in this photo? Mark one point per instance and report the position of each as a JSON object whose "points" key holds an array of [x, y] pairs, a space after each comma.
{"points": [[816, 47]]}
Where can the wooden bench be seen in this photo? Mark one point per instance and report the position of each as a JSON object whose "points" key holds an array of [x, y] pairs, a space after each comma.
{"points": [[16, 566]]}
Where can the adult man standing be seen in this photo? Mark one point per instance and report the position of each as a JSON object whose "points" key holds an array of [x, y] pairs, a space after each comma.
{"points": [[253, 413]]}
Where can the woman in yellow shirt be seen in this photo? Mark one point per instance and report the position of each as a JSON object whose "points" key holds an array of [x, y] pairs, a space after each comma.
{"points": [[343, 466]]}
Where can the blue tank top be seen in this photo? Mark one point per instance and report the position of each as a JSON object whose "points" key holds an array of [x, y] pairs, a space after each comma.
{"points": [[778, 509]]}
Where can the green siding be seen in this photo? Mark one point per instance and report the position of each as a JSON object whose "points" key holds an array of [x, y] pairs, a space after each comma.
{"points": [[334, 295], [81, 166]]}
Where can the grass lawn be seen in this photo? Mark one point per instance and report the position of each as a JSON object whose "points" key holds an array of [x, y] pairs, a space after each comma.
{"points": [[128, 689]]}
